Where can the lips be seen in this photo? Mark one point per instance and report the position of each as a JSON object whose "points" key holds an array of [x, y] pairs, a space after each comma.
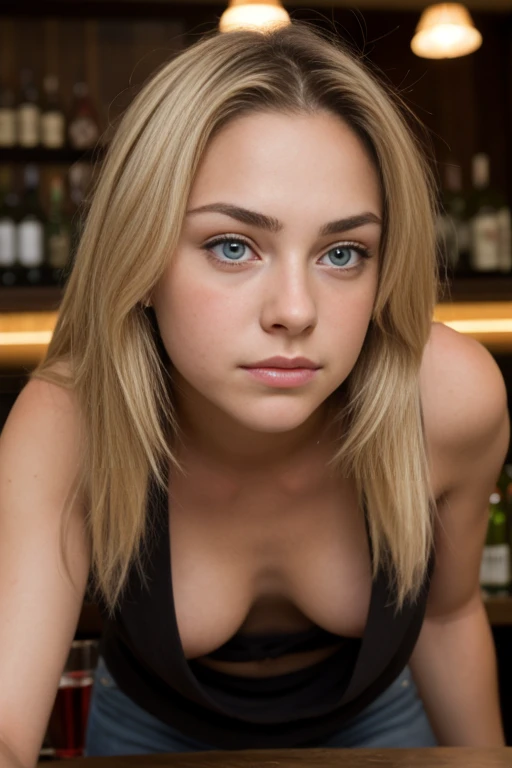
{"points": [[284, 362]]}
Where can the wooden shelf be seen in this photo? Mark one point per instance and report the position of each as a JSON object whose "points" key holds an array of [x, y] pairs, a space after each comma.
{"points": [[484, 287], [43, 156], [30, 299]]}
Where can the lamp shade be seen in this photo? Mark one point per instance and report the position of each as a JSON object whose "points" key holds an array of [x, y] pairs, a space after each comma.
{"points": [[245, 14], [445, 31]]}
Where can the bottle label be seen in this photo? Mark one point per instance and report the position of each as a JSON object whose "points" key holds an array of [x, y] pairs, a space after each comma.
{"points": [[7, 128], [53, 130], [485, 252], [59, 246], [505, 240], [7, 242], [495, 566], [30, 243], [28, 125], [83, 133]]}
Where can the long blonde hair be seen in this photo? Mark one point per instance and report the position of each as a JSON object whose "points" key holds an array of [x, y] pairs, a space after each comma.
{"points": [[110, 342]]}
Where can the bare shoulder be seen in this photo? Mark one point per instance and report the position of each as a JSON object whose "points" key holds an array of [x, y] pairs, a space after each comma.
{"points": [[467, 427], [49, 394], [44, 426], [464, 397]]}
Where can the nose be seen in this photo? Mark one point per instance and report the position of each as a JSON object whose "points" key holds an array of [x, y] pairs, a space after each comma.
{"points": [[289, 301]]}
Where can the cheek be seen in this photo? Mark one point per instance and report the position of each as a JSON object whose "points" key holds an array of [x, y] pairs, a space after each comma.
{"points": [[195, 325], [352, 318]]}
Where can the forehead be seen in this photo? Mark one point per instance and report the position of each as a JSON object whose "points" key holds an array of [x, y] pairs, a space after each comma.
{"points": [[270, 155]]}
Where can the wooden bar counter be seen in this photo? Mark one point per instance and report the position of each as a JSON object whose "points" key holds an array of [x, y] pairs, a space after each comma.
{"points": [[440, 757]]}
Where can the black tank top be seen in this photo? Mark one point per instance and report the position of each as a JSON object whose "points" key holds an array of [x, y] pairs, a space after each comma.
{"points": [[143, 652]]}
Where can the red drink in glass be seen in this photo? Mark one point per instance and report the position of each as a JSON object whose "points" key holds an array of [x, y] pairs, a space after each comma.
{"points": [[68, 720]]}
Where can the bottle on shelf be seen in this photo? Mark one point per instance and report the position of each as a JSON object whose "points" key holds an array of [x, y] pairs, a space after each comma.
{"points": [[80, 177], [53, 122], [28, 112], [30, 241], [490, 222], [8, 132], [58, 233], [495, 568], [452, 224], [84, 128], [8, 249]]}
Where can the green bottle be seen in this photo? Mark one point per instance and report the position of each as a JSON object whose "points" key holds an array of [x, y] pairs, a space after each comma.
{"points": [[58, 234], [495, 571]]}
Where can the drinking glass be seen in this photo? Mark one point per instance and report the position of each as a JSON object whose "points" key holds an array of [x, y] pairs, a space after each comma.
{"points": [[68, 720]]}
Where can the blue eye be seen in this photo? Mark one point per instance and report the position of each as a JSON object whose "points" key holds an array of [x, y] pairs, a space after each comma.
{"points": [[233, 251]]}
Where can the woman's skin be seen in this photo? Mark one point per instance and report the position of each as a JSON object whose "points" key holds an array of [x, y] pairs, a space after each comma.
{"points": [[247, 445], [293, 295], [263, 537]]}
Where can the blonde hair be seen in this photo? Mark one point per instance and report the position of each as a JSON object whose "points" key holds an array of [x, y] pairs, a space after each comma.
{"points": [[111, 344]]}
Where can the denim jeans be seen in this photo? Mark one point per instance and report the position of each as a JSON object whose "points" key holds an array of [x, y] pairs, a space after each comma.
{"points": [[118, 726]]}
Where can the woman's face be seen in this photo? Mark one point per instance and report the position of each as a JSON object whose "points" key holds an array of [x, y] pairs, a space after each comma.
{"points": [[287, 289]]}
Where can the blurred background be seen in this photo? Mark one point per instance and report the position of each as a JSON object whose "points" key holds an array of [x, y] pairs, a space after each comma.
{"points": [[69, 69]]}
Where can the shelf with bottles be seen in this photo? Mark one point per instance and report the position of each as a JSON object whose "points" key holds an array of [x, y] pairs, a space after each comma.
{"points": [[40, 225], [40, 129], [474, 230]]}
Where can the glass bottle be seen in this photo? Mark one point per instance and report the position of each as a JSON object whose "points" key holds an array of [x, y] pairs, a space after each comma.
{"points": [[490, 222], [58, 233], [29, 112], [31, 229], [452, 225], [495, 571], [53, 123], [8, 132], [8, 249], [84, 129]]}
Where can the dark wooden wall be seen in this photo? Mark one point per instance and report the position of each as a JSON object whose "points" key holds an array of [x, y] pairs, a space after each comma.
{"points": [[465, 103]]}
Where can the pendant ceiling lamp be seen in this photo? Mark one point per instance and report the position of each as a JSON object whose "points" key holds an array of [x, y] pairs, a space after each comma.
{"points": [[445, 31], [251, 14]]}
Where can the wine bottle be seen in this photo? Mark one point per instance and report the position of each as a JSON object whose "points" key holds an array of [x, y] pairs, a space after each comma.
{"points": [[8, 253], [8, 132], [29, 112], [80, 176], [53, 123], [31, 229], [490, 222], [84, 129], [58, 233], [495, 570], [452, 223]]}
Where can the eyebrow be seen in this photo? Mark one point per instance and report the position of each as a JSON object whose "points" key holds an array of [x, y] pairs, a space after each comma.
{"points": [[274, 225]]}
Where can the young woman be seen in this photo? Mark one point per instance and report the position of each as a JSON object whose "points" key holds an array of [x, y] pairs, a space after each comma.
{"points": [[286, 551]]}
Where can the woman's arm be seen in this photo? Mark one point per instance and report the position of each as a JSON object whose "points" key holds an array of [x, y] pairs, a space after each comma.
{"points": [[454, 661]]}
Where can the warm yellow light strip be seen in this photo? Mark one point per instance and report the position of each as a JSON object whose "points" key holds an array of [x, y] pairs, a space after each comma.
{"points": [[480, 326], [20, 338], [24, 336]]}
